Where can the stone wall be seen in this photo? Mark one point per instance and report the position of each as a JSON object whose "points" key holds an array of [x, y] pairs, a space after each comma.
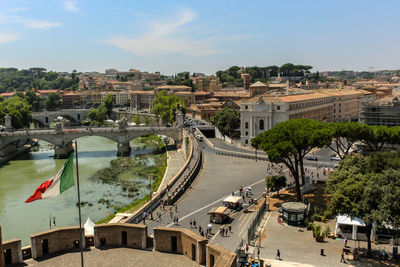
{"points": [[120, 235], [60, 239], [181, 241], [14, 248], [218, 256]]}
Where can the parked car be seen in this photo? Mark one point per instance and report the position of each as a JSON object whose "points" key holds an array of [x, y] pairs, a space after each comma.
{"points": [[312, 158], [335, 157]]}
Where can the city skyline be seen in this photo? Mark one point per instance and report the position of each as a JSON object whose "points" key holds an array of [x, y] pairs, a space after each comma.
{"points": [[174, 36]]}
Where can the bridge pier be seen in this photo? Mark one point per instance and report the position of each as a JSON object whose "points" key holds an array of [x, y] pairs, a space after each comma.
{"points": [[62, 151], [124, 149]]}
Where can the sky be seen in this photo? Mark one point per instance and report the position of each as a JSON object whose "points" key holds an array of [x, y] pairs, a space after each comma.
{"points": [[199, 36]]}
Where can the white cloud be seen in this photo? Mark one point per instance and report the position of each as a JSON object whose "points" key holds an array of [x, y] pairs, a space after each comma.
{"points": [[37, 24], [166, 36], [71, 5], [8, 37]]}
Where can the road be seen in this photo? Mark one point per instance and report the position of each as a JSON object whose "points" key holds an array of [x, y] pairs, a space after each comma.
{"points": [[219, 177]]}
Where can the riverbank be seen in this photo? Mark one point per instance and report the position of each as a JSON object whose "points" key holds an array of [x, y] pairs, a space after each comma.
{"points": [[134, 173]]}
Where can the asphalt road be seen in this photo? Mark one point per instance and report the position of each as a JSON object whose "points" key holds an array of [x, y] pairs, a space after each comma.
{"points": [[220, 176]]}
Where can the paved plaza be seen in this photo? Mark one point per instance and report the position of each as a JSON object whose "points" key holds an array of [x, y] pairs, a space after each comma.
{"points": [[115, 257]]}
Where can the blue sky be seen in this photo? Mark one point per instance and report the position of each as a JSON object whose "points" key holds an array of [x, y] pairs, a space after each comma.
{"points": [[199, 36]]}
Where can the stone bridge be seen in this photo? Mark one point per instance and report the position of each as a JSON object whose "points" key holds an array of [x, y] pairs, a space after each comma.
{"points": [[62, 138], [46, 117]]}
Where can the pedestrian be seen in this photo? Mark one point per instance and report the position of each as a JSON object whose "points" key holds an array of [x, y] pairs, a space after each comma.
{"points": [[170, 212], [278, 254], [258, 253], [159, 215], [177, 219], [221, 231], [246, 247], [226, 231], [194, 224], [190, 222], [233, 193], [151, 216], [176, 208], [243, 197], [345, 242], [342, 258], [230, 228]]}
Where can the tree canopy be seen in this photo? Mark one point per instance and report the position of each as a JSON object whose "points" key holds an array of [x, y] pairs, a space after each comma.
{"points": [[288, 142], [108, 102], [368, 188], [344, 136], [33, 99], [12, 79], [53, 101], [18, 109], [165, 106], [227, 120], [275, 182]]}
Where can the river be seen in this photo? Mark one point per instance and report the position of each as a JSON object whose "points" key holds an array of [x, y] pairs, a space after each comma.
{"points": [[20, 177]]}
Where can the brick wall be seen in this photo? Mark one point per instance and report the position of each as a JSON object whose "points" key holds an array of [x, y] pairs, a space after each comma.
{"points": [[60, 239], [187, 243], [120, 235], [14, 247], [218, 256]]}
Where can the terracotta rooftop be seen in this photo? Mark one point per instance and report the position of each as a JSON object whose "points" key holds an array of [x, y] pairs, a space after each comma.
{"points": [[258, 84]]}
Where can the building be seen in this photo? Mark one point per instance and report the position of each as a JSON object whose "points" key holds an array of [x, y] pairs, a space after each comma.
{"points": [[71, 100], [261, 113], [142, 100], [173, 88], [347, 104], [206, 83], [384, 111], [246, 80], [206, 110]]}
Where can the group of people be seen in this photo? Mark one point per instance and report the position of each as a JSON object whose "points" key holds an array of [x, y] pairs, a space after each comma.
{"points": [[223, 231]]}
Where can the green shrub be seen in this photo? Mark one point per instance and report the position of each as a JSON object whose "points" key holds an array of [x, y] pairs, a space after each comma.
{"points": [[310, 226], [323, 218], [316, 217]]}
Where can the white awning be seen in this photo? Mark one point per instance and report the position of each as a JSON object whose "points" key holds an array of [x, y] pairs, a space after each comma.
{"points": [[344, 219]]}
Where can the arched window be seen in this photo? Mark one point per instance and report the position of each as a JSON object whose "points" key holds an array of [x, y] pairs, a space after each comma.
{"points": [[261, 124]]}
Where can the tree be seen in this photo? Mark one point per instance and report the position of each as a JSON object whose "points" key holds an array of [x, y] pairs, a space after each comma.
{"points": [[33, 99], [109, 103], [18, 109], [288, 142], [344, 136], [275, 182], [165, 106], [227, 120], [137, 119], [368, 188], [147, 120], [98, 115], [376, 136], [50, 76], [53, 101]]}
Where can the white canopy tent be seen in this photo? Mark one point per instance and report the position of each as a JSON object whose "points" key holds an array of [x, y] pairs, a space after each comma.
{"points": [[89, 227], [347, 220]]}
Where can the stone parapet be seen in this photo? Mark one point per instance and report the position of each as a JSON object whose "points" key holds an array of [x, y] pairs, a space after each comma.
{"points": [[218, 256], [120, 235], [56, 240]]}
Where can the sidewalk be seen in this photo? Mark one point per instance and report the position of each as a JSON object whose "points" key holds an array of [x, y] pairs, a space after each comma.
{"points": [[175, 162]]}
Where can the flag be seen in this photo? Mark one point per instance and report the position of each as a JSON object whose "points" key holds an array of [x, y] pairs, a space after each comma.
{"points": [[63, 180]]}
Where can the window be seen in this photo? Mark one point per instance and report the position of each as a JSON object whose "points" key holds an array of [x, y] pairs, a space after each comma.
{"points": [[246, 125], [261, 124], [246, 107], [340, 105], [340, 110], [246, 141], [246, 133], [278, 107]]}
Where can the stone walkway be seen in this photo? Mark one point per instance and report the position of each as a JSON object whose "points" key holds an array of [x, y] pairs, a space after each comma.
{"points": [[175, 162]]}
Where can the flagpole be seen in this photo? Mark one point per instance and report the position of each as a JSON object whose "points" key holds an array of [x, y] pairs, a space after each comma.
{"points": [[79, 202]]}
